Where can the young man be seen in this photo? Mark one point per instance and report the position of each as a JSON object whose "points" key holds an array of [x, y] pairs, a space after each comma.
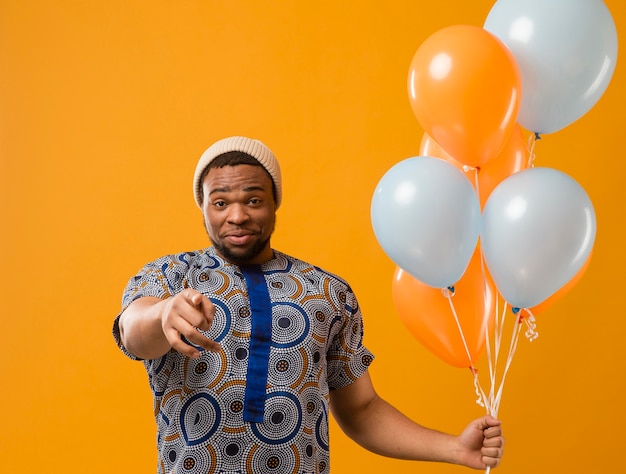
{"points": [[247, 349]]}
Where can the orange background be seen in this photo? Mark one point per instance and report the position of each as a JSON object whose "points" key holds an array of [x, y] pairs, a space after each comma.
{"points": [[105, 107]]}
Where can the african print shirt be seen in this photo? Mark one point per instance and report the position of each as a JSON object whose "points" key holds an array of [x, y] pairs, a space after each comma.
{"points": [[261, 404]]}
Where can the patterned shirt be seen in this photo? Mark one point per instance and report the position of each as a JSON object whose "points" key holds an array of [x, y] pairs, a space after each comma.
{"points": [[261, 404]]}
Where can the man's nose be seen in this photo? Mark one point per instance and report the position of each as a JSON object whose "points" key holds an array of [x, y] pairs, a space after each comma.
{"points": [[237, 213]]}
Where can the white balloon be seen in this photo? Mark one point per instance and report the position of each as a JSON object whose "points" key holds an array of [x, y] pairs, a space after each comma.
{"points": [[426, 217], [566, 51], [539, 228]]}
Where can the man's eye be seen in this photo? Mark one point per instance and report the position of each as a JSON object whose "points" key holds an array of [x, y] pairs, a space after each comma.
{"points": [[219, 203], [255, 201]]}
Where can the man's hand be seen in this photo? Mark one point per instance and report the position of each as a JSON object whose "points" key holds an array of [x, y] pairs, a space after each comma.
{"points": [[482, 443], [184, 316], [150, 327]]}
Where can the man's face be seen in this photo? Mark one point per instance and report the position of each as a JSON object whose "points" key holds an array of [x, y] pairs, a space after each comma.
{"points": [[239, 213]]}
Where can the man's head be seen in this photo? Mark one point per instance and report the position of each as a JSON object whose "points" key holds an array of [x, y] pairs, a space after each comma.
{"points": [[248, 146], [238, 192]]}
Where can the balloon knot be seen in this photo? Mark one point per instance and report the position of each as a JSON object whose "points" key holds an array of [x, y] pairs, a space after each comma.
{"points": [[515, 310], [473, 370], [448, 292], [537, 136]]}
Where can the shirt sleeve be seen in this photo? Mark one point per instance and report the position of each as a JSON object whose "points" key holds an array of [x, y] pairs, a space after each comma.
{"points": [[160, 279], [347, 357]]}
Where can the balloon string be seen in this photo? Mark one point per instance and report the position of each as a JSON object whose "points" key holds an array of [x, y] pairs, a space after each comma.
{"points": [[495, 397], [512, 348], [492, 357], [449, 293], [476, 182], [482, 399], [532, 140], [493, 403], [531, 333]]}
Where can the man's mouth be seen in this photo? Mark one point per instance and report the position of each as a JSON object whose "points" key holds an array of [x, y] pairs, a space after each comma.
{"points": [[239, 238]]}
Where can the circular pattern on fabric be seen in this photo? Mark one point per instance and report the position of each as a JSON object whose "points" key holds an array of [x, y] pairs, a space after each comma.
{"points": [[208, 369], [238, 358], [205, 277], [281, 461], [367, 359], [200, 417], [199, 460], [290, 325], [321, 429], [231, 396], [231, 451], [339, 300], [241, 320], [282, 419], [322, 314], [221, 323], [288, 285], [160, 372], [311, 401], [187, 257], [170, 401], [171, 444], [286, 368]]}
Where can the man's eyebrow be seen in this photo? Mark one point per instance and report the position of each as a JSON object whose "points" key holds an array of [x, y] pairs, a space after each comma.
{"points": [[226, 189], [254, 188], [223, 189]]}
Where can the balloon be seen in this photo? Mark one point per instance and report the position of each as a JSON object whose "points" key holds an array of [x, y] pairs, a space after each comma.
{"points": [[539, 227], [427, 314], [464, 87], [513, 157], [426, 216], [566, 52], [429, 147], [541, 307]]}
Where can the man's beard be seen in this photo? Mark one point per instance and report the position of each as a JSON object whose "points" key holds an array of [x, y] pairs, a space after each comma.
{"points": [[240, 256]]}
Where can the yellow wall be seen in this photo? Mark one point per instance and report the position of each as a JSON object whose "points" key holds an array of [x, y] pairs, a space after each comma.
{"points": [[105, 107]]}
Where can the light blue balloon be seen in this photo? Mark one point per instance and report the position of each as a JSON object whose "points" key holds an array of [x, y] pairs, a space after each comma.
{"points": [[566, 51], [426, 217], [539, 227]]}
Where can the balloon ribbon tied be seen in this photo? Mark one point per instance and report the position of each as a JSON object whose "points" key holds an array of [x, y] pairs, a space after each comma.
{"points": [[492, 401], [481, 397], [531, 325], [449, 293], [532, 141]]}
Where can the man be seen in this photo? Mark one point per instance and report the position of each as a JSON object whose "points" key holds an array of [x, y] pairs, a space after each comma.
{"points": [[248, 349]]}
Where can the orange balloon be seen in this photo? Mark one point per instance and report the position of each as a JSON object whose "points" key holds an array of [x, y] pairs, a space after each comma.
{"points": [[545, 304], [427, 314], [429, 147], [465, 91], [513, 157]]}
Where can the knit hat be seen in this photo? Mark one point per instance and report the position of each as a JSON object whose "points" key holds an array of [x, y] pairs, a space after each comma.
{"points": [[254, 148]]}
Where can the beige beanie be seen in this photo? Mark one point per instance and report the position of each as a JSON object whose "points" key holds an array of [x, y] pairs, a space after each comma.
{"points": [[254, 148]]}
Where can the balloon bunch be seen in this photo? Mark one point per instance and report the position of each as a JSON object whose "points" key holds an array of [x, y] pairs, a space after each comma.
{"points": [[471, 221]]}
